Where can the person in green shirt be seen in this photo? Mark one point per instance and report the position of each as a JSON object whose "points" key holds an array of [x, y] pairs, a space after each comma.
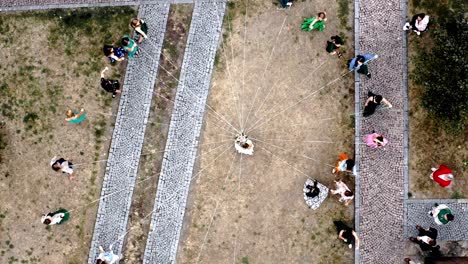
{"points": [[442, 214], [317, 22]]}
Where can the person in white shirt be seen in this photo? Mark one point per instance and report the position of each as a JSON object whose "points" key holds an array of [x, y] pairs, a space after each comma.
{"points": [[107, 257], [244, 145], [346, 195], [418, 23]]}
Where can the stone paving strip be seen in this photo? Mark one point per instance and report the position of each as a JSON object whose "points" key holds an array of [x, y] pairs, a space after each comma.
{"points": [[417, 214], [127, 138], [178, 163], [381, 176], [23, 5]]}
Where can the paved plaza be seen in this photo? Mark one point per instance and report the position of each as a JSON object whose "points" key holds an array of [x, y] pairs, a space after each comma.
{"points": [[385, 217]]}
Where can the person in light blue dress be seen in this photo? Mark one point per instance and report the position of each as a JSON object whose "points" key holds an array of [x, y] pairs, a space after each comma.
{"points": [[75, 117]]}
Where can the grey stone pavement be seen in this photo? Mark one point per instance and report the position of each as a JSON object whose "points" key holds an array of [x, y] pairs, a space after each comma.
{"points": [[455, 230], [380, 184], [128, 135], [184, 130]]}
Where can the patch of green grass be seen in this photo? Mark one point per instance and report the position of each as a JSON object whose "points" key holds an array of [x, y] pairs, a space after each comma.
{"points": [[343, 12], [245, 260], [457, 195]]}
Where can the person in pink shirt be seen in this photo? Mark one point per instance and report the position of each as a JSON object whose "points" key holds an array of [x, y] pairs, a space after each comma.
{"points": [[375, 140]]}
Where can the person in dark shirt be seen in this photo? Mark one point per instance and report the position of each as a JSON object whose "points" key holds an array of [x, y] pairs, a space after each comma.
{"points": [[312, 190], [110, 86]]}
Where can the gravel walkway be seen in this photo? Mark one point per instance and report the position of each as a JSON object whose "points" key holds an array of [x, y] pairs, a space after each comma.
{"points": [[381, 176], [127, 138], [177, 167]]}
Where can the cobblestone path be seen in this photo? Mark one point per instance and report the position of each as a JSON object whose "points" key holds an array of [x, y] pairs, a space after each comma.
{"points": [[184, 130], [381, 180], [127, 138], [418, 215]]}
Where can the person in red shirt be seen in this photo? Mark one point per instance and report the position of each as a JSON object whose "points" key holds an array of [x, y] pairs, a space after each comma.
{"points": [[443, 175]]}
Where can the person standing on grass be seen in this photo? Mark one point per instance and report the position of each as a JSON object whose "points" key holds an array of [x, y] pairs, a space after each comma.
{"points": [[426, 239], [347, 234], [131, 48], [141, 29], [333, 46], [107, 257], [56, 218], [316, 22], [110, 86], [344, 164], [374, 100], [359, 63], [375, 140], [418, 23], [62, 165], [346, 194], [442, 175], [114, 54], [442, 214], [75, 117]]}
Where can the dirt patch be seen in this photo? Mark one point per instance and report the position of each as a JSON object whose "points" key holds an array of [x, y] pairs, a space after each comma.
{"points": [[156, 132], [271, 80], [51, 62]]}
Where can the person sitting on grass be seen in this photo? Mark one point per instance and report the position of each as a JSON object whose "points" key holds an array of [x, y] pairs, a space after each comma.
{"points": [[75, 117], [442, 175], [333, 46], [346, 195], [114, 54], [312, 190], [110, 86], [141, 29], [347, 234], [56, 218], [130, 46], [316, 22], [62, 165], [344, 164], [418, 23]]}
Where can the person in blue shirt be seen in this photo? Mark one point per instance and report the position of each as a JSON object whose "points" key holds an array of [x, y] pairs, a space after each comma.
{"points": [[359, 63]]}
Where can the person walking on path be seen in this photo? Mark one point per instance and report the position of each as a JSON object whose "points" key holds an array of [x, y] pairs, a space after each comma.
{"points": [[312, 190], [316, 22], [114, 54], [131, 48], [359, 63], [418, 23], [110, 86], [62, 165], [375, 140], [442, 214], [75, 117], [374, 100], [346, 195], [333, 46], [347, 234], [56, 218], [426, 239], [344, 164], [141, 29], [442, 175], [107, 257]]}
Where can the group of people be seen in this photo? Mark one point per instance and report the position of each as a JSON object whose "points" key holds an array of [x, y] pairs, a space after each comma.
{"points": [[427, 237], [130, 48]]}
